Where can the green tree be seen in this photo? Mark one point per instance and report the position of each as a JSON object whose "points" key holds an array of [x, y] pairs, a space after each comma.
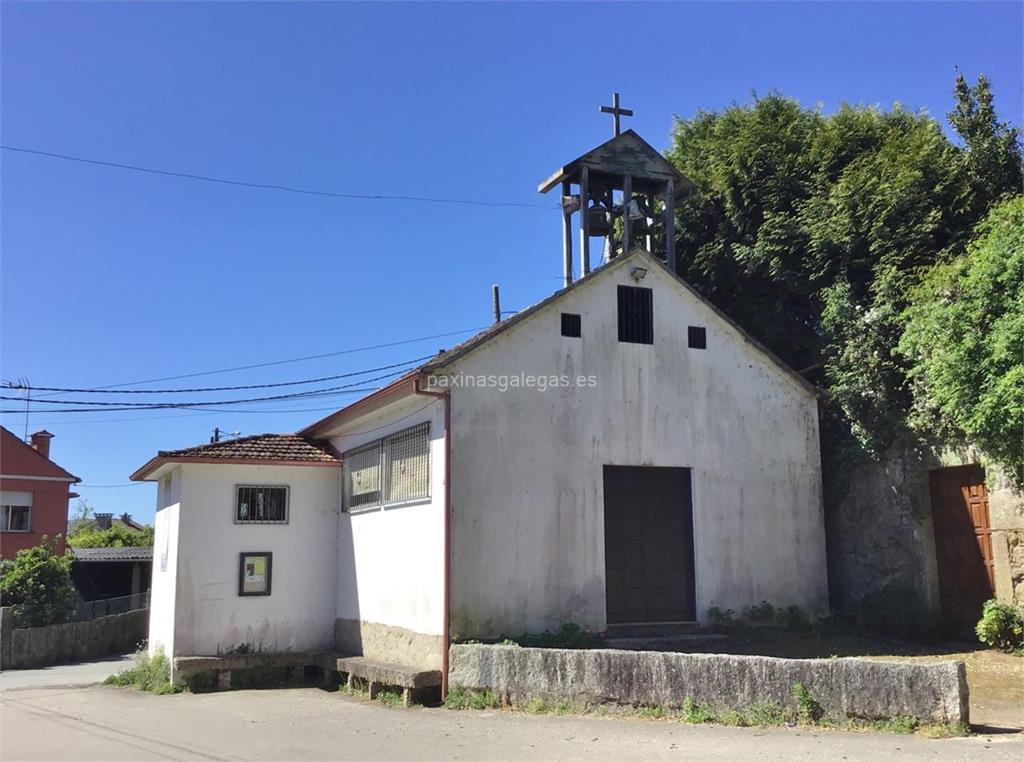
{"points": [[38, 584], [965, 341], [991, 156], [811, 230], [115, 537]]}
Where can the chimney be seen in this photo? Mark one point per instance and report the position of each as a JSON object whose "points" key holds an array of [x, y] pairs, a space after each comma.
{"points": [[103, 520], [41, 443]]}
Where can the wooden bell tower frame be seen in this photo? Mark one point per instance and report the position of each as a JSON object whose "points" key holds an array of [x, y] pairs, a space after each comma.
{"points": [[626, 163]]}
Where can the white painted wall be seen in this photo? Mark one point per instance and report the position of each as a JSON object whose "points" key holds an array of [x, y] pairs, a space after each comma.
{"points": [[210, 616], [165, 564], [391, 561], [527, 493]]}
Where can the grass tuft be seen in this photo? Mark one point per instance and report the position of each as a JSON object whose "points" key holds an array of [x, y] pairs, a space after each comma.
{"points": [[149, 674], [462, 698]]}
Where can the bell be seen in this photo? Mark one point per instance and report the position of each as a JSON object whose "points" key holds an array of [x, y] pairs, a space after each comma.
{"points": [[598, 221], [639, 215]]}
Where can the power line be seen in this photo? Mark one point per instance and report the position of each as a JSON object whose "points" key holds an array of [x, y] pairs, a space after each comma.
{"points": [[10, 385], [109, 486], [109, 406], [274, 186], [283, 362]]}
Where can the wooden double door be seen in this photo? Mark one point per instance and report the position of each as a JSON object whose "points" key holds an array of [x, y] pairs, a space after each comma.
{"points": [[648, 544], [963, 542]]}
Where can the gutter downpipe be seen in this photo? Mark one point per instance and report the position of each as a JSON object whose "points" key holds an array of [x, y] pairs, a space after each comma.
{"points": [[445, 635]]}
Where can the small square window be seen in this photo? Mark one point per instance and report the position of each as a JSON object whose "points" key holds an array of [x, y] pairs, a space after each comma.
{"points": [[572, 325], [698, 336]]}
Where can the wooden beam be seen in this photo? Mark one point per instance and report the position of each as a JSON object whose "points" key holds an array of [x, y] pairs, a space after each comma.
{"points": [[670, 228], [650, 224], [584, 221], [566, 236], [627, 194]]}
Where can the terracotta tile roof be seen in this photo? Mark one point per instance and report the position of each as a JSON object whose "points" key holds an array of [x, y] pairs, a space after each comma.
{"points": [[289, 447]]}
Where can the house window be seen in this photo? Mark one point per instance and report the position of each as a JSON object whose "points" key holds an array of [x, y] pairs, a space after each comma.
{"points": [[389, 471], [572, 325], [636, 315], [697, 336], [15, 511], [257, 504]]}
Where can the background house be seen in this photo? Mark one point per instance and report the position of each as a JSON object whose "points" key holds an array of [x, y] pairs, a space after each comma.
{"points": [[34, 494]]}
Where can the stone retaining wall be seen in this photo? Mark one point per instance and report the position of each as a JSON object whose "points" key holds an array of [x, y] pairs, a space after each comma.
{"points": [[842, 687], [25, 648]]}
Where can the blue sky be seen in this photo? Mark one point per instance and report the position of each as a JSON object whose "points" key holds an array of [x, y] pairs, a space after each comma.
{"points": [[110, 276]]}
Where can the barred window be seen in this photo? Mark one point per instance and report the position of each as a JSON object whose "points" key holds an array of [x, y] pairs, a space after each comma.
{"points": [[390, 471], [261, 505]]}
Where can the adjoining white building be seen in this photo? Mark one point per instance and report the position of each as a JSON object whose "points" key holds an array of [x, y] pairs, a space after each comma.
{"points": [[619, 453]]}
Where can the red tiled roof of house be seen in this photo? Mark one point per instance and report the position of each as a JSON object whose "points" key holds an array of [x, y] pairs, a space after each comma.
{"points": [[266, 448], [290, 447]]}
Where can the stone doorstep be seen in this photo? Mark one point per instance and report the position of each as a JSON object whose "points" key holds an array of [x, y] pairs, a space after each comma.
{"points": [[415, 683]]}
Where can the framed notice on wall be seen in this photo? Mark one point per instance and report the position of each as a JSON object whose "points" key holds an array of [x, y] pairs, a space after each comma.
{"points": [[254, 571]]}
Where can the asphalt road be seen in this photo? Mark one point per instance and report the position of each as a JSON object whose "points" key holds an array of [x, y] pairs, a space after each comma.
{"points": [[102, 723]]}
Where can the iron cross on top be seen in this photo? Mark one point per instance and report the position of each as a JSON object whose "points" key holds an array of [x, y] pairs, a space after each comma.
{"points": [[616, 112]]}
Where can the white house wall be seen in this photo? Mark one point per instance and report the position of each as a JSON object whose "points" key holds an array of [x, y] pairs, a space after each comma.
{"points": [[165, 564], [390, 572], [298, 615], [527, 492]]}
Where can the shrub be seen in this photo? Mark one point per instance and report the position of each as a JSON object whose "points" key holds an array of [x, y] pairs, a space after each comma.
{"points": [[37, 583], [152, 675], [760, 615], [1001, 626], [719, 618]]}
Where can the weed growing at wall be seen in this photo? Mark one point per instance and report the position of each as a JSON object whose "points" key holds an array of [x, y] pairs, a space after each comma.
{"points": [[152, 675]]}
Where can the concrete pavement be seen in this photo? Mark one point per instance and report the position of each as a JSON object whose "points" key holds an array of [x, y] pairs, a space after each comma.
{"points": [[63, 675], [109, 724]]}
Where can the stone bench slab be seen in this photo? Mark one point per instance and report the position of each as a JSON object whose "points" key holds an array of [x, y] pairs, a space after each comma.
{"points": [[388, 674]]}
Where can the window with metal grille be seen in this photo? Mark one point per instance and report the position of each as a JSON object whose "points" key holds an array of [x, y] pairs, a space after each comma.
{"points": [[697, 336], [636, 315], [258, 504], [390, 471], [572, 325]]}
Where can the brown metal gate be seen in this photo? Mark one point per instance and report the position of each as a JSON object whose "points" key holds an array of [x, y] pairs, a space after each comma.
{"points": [[963, 542], [648, 540]]}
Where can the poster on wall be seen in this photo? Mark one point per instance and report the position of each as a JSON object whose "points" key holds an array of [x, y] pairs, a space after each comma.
{"points": [[254, 573]]}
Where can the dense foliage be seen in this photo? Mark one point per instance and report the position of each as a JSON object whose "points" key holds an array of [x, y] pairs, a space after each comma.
{"points": [[812, 231], [115, 537], [37, 583], [1002, 626], [965, 338]]}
